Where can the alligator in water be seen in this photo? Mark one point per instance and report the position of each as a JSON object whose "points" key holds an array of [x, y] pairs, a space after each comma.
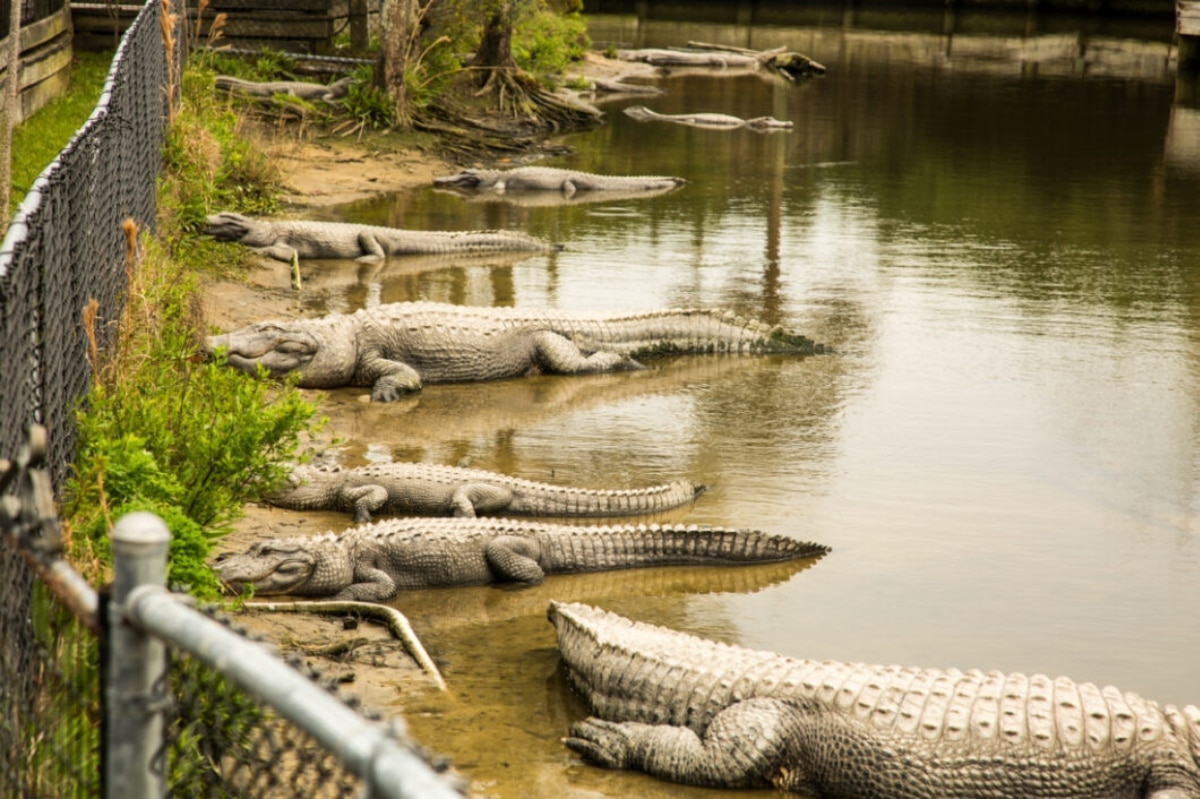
{"points": [[706, 120], [545, 178], [694, 711], [372, 563], [287, 239], [396, 348], [428, 489]]}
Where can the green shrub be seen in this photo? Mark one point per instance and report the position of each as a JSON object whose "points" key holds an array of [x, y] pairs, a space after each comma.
{"points": [[546, 43], [366, 103], [168, 431], [209, 164]]}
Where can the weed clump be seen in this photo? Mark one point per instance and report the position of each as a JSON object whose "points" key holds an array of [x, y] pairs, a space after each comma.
{"points": [[163, 428]]}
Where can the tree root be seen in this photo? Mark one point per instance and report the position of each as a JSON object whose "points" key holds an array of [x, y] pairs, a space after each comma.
{"points": [[511, 112]]}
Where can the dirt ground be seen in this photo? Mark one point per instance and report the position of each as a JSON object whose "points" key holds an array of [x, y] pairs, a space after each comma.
{"points": [[359, 653]]}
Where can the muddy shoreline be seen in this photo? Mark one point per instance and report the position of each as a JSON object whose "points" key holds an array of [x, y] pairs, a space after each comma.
{"points": [[359, 654]]}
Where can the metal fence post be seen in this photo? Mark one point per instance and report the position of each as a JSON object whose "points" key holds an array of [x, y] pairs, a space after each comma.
{"points": [[137, 665]]}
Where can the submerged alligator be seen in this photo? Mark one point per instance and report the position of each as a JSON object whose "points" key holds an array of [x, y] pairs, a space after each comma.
{"points": [[690, 710], [372, 563], [287, 239], [396, 348], [433, 490], [545, 178], [707, 120]]}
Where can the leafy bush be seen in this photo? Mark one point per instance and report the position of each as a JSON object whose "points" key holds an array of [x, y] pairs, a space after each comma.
{"points": [[545, 43], [163, 428], [366, 103], [209, 164], [167, 431]]}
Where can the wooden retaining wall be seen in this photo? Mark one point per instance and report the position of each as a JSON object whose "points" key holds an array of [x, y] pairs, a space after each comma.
{"points": [[296, 26], [45, 60]]}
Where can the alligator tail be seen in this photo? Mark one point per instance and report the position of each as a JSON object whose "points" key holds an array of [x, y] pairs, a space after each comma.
{"points": [[603, 548], [547, 500], [633, 671]]}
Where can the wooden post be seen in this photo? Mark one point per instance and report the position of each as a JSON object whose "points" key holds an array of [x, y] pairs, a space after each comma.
{"points": [[359, 37], [12, 109]]}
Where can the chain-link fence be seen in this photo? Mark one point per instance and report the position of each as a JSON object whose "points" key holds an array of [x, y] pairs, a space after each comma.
{"points": [[134, 693], [63, 247], [69, 714]]}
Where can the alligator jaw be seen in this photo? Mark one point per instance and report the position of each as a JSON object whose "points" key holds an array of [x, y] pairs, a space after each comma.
{"points": [[277, 349], [466, 179]]}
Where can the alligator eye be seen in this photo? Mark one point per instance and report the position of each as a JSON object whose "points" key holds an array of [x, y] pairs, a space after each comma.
{"points": [[291, 347]]}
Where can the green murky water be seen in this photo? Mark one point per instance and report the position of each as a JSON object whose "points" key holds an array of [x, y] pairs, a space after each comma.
{"points": [[1000, 235]]}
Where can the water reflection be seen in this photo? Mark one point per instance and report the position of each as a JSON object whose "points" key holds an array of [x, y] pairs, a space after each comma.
{"points": [[1005, 452]]}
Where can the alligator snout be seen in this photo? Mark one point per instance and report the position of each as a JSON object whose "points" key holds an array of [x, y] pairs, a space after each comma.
{"points": [[463, 180]]}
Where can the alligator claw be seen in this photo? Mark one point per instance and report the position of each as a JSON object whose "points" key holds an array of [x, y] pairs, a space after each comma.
{"points": [[601, 742]]}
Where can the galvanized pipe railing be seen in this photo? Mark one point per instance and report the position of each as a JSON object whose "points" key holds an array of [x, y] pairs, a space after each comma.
{"points": [[147, 610]]}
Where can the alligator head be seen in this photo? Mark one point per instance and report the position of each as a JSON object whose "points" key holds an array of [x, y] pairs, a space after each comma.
{"points": [[228, 226], [467, 179], [311, 347], [270, 567], [769, 123], [307, 487]]}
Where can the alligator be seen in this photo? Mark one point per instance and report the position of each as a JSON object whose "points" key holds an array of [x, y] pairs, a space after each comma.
{"points": [[372, 563], [288, 239], [302, 89], [545, 199], [690, 710], [395, 348], [545, 178], [707, 120], [428, 489]]}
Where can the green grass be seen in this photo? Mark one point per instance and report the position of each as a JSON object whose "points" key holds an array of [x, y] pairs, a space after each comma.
{"points": [[38, 140]]}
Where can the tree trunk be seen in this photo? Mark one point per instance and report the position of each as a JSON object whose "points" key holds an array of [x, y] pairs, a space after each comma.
{"points": [[495, 48], [397, 24]]}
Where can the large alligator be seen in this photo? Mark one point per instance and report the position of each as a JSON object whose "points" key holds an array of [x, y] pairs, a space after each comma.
{"points": [[286, 239], [372, 563], [690, 710], [545, 178], [396, 348], [708, 120], [428, 489]]}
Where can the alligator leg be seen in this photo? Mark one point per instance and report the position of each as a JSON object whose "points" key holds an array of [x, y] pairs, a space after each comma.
{"points": [[559, 355], [747, 745], [393, 380], [514, 558], [372, 249], [475, 498], [371, 584], [364, 500], [279, 251]]}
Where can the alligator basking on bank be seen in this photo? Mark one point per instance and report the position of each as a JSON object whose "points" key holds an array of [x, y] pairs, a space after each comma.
{"points": [[287, 239], [545, 178], [708, 120], [694, 711], [293, 88], [428, 489], [396, 348], [372, 563]]}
